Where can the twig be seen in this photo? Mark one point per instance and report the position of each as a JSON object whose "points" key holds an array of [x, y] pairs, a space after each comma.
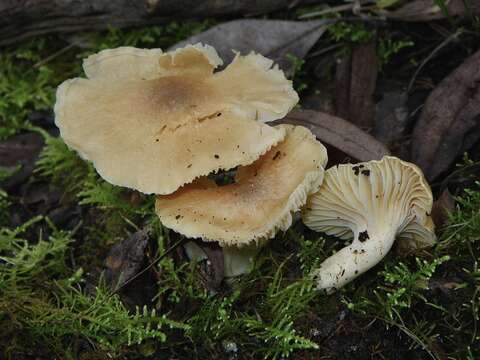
{"points": [[340, 8], [54, 55], [323, 51]]}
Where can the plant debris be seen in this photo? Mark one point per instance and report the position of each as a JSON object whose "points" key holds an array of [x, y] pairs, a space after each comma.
{"points": [[450, 120], [18, 155], [213, 272], [441, 209], [427, 10], [338, 133], [274, 39], [356, 78], [391, 117], [126, 258]]}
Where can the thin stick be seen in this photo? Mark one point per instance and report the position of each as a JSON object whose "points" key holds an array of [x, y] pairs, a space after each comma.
{"points": [[336, 9], [54, 55]]}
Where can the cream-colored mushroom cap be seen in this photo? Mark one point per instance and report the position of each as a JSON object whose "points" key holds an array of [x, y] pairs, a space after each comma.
{"points": [[374, 203], [261, 200], [154, 121]]}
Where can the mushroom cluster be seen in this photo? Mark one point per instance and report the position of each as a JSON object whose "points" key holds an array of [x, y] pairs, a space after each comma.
{"points": [[161, 122]]}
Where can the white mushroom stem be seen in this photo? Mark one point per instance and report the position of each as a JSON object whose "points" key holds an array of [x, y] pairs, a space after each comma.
{"points": [[353, 260]]}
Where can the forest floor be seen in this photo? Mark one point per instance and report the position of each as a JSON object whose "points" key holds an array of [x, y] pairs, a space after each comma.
{"points": [[66, 235]]}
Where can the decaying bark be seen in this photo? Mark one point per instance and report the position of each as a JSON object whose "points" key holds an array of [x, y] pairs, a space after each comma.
{"points": [[21, 19]]}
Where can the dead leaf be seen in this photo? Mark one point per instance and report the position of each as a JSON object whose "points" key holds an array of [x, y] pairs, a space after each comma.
{"points": [[274, 39], [342, 86], [427, 10], [355, 83], [444, 205], [214, 271], [363, 79], [339, 133], [450, 119], [391, 117], [18, 155], [42, 198], [125, 259]]}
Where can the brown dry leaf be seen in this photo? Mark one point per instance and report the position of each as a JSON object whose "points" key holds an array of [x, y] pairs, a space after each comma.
{"points": [[450, 120], [441, 208], [391, 117], [427, 10], [362, 84], [339, 133], [125, 259], [274, 39], [213, 273], [342, 86], [355, 84]]}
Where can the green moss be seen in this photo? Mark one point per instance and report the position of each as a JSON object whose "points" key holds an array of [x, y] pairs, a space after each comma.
{"points": [[24, 86], [388, 47], [49, 303], [61, 165]]}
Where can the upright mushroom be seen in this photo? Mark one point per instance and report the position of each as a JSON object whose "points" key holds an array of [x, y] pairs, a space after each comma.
{"points": [[374, 203], [256, 206], [154, 121]]}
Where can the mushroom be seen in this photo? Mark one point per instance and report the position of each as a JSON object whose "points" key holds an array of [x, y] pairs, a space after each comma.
{"points": [[259, 203], [374, 203], [155, 121]]}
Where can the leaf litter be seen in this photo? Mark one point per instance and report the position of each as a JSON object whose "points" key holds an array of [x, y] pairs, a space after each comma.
{"points": [[449, 122], [276, 39]]}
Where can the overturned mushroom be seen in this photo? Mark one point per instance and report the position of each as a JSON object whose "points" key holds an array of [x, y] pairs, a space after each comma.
{"points": [[155, 121], [256, 206], [375, 203]]}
